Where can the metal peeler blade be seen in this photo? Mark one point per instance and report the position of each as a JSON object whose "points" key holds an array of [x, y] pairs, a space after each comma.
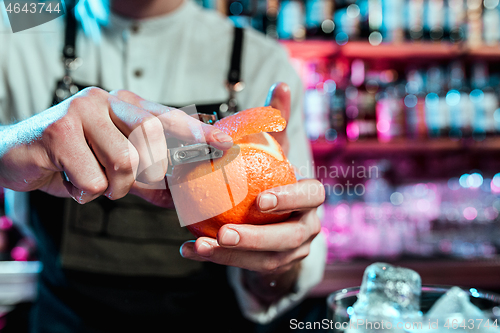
{"points": [[191, 153]]}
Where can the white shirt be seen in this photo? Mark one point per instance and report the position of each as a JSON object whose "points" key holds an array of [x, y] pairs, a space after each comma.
{"points": [[183, 58]]}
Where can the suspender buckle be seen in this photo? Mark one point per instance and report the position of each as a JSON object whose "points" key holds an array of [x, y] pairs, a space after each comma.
{"points": [[70, 64], [235, 86]]}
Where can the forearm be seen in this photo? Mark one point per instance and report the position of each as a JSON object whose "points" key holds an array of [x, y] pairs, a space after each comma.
{"points": [[19, 169], [270, 288]]}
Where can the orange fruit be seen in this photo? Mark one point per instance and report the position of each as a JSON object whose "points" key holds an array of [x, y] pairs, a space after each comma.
{"points": [[210, 194]]}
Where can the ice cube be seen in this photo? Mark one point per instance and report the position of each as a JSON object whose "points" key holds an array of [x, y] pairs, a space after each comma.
{"points": [[390, 292], [454, 311]]}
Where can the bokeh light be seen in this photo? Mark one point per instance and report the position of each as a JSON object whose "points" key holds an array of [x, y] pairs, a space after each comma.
{"points": [[397, 198], [470, 213]]}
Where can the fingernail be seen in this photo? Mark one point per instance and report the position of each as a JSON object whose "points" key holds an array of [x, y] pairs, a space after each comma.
{"points": [[205, 249], [222, 137], [230, 238], [184, 249], [80, 198], [268, 201]]}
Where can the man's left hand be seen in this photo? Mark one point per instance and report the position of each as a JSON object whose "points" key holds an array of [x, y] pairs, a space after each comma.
{"points": [[272, 248]]}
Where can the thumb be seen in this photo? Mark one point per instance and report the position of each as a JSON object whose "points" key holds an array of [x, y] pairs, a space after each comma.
{"points": [[279, 98]]}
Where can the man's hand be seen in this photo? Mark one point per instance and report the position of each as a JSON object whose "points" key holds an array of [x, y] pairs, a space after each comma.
{"points": [[271, 251], [271, 248], [100, 140], [270, 254]]}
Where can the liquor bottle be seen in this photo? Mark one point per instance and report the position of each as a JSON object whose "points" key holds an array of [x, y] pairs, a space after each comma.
{"points": [[491, 22], [364, 19], [291, 20], [435, 104], [393, 19], [415, 20], [337, 130], [316, 111], [319, 19], [456, 20], [456, 100], [375, 21], [390, 118], [316, 104], [474, 23], [347, 21], [416, 126], [434, 20], [270, 27], [484, 100], [360, 105]]}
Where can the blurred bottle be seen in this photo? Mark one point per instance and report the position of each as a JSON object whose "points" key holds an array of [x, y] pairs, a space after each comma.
{"points": [[484, 100], [393, 20], [456, 100], [434, 24], [456, 20], [291, 20], [416, 125], [390, 114], [270, 19], [435, 104], [491, 22], [474, 22], [337, 131], [375, 21], [360, 105], [364, 19], [319, 19], [347, 19], [316, 103], [415, 20]]}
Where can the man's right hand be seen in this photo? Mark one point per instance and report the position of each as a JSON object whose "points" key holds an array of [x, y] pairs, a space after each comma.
{"points": [[91, 138]]}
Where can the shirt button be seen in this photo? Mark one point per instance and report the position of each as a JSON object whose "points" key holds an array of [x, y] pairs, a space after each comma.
{"points": [[138, 73], [135, 28]]}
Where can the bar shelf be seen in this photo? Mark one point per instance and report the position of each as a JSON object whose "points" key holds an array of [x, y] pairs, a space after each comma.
{"points": [[309, 49]]}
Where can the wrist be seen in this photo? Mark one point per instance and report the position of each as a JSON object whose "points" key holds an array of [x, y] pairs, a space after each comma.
{"points": [[269, 288]]}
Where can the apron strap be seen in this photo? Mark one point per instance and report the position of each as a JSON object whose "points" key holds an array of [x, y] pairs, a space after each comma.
{"points": [[69, 49], [233, 76], [234, 83]]}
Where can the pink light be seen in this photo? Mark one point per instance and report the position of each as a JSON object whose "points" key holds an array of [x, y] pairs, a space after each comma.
{"points": [[495, 187], [357, 72], [325, 231], [352, 131], [423, 205], [383, 126], [470, 213], [5, 223], [341, 211], [19, 253]]}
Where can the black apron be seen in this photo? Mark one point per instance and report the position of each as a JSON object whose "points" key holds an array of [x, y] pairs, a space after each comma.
{"points": [[114, 266]]}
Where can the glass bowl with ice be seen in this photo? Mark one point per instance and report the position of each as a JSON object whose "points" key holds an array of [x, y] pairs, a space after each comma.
{"points": [[392, 299]]}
